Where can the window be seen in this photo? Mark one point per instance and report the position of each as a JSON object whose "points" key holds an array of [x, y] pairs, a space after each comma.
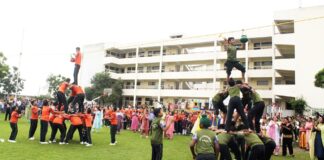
{"points": [[132, 55], [263, 65], [141, 54], [262, 45], [130, 69], [138, 83], [140, 69], [151, 83], [262, 82]]}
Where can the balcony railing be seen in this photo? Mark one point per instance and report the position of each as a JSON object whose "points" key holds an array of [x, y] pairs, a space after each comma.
{"points": [[260, 67]]}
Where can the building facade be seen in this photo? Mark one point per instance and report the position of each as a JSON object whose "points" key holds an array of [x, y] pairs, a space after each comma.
{"points": [[281, 61]]}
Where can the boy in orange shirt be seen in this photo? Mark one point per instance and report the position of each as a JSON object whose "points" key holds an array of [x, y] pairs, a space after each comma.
{"points": [[46, 111], [88, 124], [58, 125], [77, 61], [76, 123], [33, 120], [13, 124], [113, 127]]}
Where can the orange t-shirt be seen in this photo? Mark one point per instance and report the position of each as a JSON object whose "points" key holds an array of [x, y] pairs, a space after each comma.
{"points": [[75, 120], [14, 117], [78, 58], [113, 118], [46, 110], [51, 117], [88, 120], [34, 113], [58, 119], [77, 89], [63, 86]]}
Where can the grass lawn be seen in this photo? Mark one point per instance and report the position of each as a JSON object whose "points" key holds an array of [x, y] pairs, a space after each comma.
{"points": [[130, 146]]}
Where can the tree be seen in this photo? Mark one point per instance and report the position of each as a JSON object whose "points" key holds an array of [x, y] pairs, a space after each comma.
{"points": [[101, 81], [319, 79], [4, 68], [53, 82], [89, 93], [298, 105], [12, 83]]}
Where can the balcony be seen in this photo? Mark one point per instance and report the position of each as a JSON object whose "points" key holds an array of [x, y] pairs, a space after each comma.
{"points": [[260, 73], [285, 64], [260, 53], [223, 55], [285, 90], [286, 39], [188, 75], [199, 56]]}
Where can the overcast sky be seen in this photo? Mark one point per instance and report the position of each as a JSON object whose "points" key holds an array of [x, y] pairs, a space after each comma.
{"points": [[52, 29]]}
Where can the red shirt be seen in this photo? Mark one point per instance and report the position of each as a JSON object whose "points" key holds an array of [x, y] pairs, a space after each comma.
{"points": [[46, 110], [51, 117], [34, 113], [77, 89], [113, 118], [63, 86], [88, 120], [59, 118], [14, 117], [75, 120], [78, 58]]}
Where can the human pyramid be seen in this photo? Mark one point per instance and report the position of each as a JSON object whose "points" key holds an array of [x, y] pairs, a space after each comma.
{"points": [[238, 133], [55, 113]]}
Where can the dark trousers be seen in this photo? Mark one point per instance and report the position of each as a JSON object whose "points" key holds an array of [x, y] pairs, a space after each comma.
{"points": [[176, 126], [113, 130], [179, 126], [248, 102], [8, 115], [256, 114], [224, 152], [70, 100], [157, 151], [232, 144], [235, 103], [43, 131], [89, 140], [61, 99], [206, 157], [269, 148], [14, 131], [33, 127], [76, 73], [54, 131], [257, 153], [71, 132], [233, 64], [79, 99], [287, 142], [219, 106]]}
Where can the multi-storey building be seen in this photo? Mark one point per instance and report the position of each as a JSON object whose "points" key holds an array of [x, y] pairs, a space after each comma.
{"points": [[281, 61]]}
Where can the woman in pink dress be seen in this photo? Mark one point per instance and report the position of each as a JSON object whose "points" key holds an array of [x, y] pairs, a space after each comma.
{"points": [[134, 125], [169, 132], [308, 126], [273, 131], [145, 124]]}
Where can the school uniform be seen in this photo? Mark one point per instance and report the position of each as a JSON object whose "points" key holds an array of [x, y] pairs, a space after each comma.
{"points": [[76, 124], [13, 125], [235, 103], [61, 99], [58, 125], [46, 110], [33, 121], [113, 127]]}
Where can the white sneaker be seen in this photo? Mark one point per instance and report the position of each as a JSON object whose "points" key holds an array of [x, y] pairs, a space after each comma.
{"points": [[43, 142], [88, 145], [61, 143], [50, 142], [2, 140], [54, 141], [11, 141], [112, 144], [32, 138], [81, 142]]}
